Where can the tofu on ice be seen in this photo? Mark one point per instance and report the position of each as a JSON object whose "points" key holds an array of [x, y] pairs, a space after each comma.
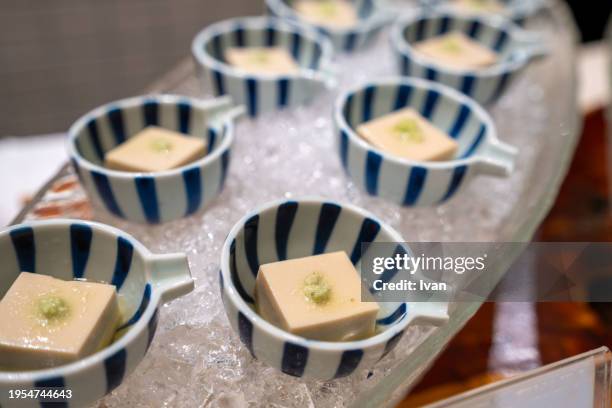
{"points": [[317, 297], [262, 60], [457, 50], [329, 13], [407, 134], [46, 322], [155, 149]]}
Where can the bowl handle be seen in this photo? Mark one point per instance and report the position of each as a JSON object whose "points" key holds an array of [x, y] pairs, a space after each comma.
{"points": [[497, 159], [170, 273], [532, 45], [429, 313]]}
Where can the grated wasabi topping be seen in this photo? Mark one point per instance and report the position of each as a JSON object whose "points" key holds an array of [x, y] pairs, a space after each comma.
{"points": [[408, 130], [161, 145], [317, 288], [53, 307]]}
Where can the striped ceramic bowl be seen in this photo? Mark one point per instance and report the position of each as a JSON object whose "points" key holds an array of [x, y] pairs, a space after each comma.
{"points": [[515, 46], [293, 229], [372, 19], [70, 249], [413, 183], [262, 93], [516, 10], [160, 196]]}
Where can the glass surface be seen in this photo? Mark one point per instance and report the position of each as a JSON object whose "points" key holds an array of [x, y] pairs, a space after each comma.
{"points": [[196, 359], [583, 381]]}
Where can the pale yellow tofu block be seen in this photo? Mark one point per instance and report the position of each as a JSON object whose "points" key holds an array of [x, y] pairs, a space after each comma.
{"points": [[405, 133], [479, 6], [329, 13], [155, 149], [262, 60], [46, 322], [317, 297], [456, 50]]}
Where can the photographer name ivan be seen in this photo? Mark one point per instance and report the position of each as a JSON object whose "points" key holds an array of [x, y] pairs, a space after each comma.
{"points": [[420, 285]]}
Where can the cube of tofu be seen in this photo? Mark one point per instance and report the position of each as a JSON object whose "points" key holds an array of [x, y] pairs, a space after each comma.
{"points": [[456, 50], [329, 13], [479, 6], [155, 149], [262, 60], [317, 297], [405, 133], [46, 322]]}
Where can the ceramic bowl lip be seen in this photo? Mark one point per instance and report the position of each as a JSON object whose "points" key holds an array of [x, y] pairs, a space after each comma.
{"points": [[202, 38], [13, 377], [278, 333], [498, 23], [136, 101], [490, 135], [377, 19]]}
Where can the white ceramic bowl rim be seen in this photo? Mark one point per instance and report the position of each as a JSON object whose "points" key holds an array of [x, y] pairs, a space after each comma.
{"points": [[198, 45], [136, 101], [9, 377], [279, 333], [498, 23], [378, 18], [490, 135]]}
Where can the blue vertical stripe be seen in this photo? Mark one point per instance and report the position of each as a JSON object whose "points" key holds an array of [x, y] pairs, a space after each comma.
{"points": [[184, 116], [239, 36], [367, 234], [393, 317], [105, 192], [416, 182], [444, 25], [150, 113], [476, 142], [251, 89], [474, 29], [344, 148], [420, 29], [94, 136], [460, 120], [402, 99], [455, 183], [217, 48], [467, 84], [348, 362], [54, 382], [151, 328], [234, 274], [285, 215], [316, 56], [225, 159], [325, 226], [372, 170], [147, 195], [270, 36], [296, 45], [211, 139], [115, 117], [114, 367], [368, 102], [431, 101], [192, 181], [500, 41], [251, 228], [283, 92], [123, 262], [501, 85], [405, 65], [144, 303], [351, 41], [245, 331], [80, 246], [219, 85], [431, 74], [294, 359], [25, 248]]}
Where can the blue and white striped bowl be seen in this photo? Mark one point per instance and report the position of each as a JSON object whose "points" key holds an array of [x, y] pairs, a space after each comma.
{"points": [[414, 183], [293, 229], [71, 249], [372, 19], [515, 46], [516, 10], [263, 93], [160, 196]]}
